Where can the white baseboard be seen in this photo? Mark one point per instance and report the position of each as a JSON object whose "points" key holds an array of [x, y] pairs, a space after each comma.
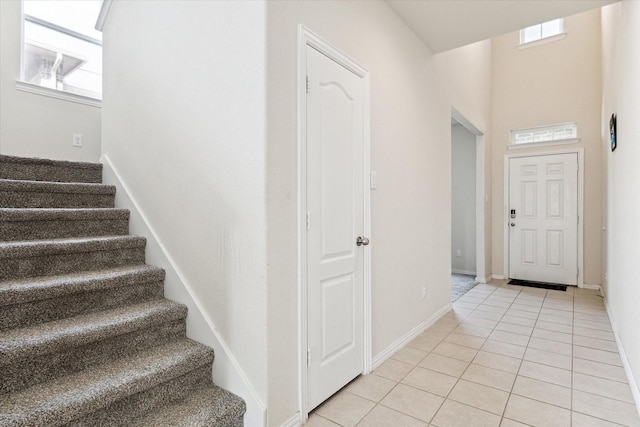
{"points": [[596, 287], [294, 421], [227, 371], [633, 384], [484, 280], [497, 276], [406, 338]]}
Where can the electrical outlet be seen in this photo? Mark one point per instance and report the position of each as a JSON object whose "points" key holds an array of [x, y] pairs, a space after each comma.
{"points": [[458, 252], [424, 291], [77, 140]]}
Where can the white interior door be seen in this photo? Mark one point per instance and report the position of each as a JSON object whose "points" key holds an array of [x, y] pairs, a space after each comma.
{"points": [[543, 218], [335, 218]]}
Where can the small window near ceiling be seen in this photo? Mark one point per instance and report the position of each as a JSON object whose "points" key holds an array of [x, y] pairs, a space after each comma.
{"points": [[541, 31], [562, 133], [62, 50]]}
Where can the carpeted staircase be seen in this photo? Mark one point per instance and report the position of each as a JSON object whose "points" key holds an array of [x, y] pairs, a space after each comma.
{"points": [[86, 336]]}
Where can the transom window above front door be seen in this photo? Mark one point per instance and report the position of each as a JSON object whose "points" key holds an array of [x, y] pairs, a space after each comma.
{"points": [[557, 134]]}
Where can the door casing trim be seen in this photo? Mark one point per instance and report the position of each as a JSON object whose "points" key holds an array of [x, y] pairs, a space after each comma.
{"points": [[308, 38], [481, 200], [505, 217]]}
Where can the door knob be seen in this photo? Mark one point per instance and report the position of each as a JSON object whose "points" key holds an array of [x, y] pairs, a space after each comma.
{"points": [[513, 224], [362, 241]]}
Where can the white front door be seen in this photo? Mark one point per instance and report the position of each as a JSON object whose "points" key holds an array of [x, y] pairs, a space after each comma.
{"points": [[543, 218], [335, 218]]}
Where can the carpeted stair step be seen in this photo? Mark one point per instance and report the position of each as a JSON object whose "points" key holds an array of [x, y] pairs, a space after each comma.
{"points": [[63, 256], [47, 351], [86, 337], [33, 224], [12, 167], [210, 406], [34, 194], [34, 300], [120, 382]]}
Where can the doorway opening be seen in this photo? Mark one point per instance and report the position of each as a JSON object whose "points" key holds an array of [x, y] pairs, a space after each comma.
{"points": [[467, 206]]}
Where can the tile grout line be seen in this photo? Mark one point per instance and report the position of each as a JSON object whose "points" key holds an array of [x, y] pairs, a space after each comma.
{"points": [[519, 366], [466, 316]]}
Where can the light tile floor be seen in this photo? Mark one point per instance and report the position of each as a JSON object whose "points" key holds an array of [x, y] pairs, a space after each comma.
{"points": [[504, 356]]}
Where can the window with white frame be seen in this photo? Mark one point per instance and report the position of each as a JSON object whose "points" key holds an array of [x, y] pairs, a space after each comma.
{"points": [[62, 50], [549, 134], [541, 31]]}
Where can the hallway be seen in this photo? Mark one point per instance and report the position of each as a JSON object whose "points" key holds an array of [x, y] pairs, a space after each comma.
{"points": [[505, 356]]}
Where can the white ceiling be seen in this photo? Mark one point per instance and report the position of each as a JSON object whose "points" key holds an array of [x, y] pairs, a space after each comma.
{"points": [[448, 24]]}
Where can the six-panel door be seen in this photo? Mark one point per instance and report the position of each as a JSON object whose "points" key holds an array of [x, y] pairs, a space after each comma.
{"points": [[543, 235]]}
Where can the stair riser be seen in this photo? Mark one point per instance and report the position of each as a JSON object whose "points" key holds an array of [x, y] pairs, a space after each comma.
{"points": [[209, 406], [47, 310], [122, 412], [60, 257], [26, 373], [66, 263], [35, 230], [46, 170], [34, 199]]}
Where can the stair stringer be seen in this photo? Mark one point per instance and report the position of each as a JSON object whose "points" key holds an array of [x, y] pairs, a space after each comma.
{"points": [[200, 327]]}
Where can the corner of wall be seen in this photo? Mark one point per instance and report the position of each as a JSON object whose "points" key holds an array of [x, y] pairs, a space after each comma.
{"points": [[227, 372], [633, 383]]}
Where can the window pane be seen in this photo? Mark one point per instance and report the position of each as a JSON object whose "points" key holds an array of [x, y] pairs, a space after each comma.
{"points": [[523, 137], [552, 28], [545, 133], [57, 59], [540, 31], [530, 34], [78, 16]]}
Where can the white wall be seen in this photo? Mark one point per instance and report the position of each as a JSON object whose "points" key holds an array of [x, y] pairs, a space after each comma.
{"points": [[463, 200], [34, 125], [621, 95], [411, 208], [184, 127], [466, 74], [552, 83]]}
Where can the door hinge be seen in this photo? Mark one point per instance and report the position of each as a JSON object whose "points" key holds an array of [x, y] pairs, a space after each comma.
{"points": [[308, 357], [308, 221], [308, 85]]}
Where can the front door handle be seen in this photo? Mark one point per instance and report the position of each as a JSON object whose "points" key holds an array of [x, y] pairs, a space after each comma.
{"points": [[362, 241]]}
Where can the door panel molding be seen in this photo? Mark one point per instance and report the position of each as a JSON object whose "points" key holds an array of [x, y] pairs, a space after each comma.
{"points": [[579, 151], [306, 38]]}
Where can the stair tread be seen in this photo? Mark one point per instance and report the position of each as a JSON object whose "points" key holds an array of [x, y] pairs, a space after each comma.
{"points": [[84, 325], [68, 245], [206, 407], [56, 187], [49, 162], [54, 336], [45, 287], [75, 395], [67, 214], [37, 169]]}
